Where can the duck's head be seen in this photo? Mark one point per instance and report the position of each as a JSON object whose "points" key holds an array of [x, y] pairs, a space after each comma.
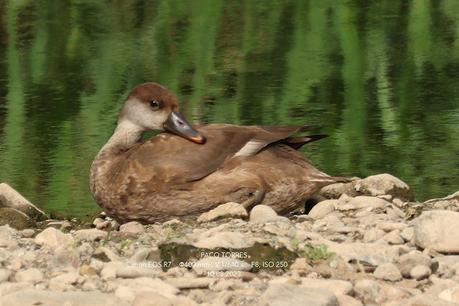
{"points": [[151, 106]]}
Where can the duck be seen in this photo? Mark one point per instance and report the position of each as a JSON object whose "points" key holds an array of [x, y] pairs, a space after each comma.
{"points": [[189, 169]]}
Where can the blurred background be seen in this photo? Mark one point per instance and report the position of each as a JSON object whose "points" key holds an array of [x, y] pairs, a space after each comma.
{"points": [[380, 77]]}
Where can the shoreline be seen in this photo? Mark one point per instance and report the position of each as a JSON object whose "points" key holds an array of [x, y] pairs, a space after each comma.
{"points": [[362, 243]]}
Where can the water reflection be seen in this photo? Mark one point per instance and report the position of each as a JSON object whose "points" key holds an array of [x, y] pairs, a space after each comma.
{"points": [[381, 78]]}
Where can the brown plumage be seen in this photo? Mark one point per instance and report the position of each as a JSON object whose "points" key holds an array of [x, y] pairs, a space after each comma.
{"points": [[187, 171]]}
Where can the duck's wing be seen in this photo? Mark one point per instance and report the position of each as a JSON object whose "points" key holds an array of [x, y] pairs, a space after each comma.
{"points": [[173, 159]]}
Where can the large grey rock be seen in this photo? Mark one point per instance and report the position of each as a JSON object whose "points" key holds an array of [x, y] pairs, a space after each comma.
{"points": [[32, 297], [288, 295], [437, 230], [384, 184], [9, 197], [334, 191], [227, 210], [53, 238]]}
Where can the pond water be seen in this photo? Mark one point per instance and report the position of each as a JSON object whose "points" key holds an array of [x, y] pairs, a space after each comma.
{"points": [[380, 77]]}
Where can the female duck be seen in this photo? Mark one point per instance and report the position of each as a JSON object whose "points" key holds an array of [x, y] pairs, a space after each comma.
{"points": [[188, 171]]}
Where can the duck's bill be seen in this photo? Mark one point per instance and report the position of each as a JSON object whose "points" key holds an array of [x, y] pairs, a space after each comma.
{"points": [[178, 125]]}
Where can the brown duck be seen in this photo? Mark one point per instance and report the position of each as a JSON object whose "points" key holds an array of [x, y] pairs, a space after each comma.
{"points": [[186, 170]]}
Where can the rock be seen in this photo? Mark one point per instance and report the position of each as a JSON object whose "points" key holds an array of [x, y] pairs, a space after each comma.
{"points": [[228, 240], [384, 184], [4, 275], [369, 291], [63, 282], [133, 228], [334, 191], [434, 230], [338, 287], [287, 295], [8, 237], [361, 203], [211, 263], [149, 284], [301, 264], [420, 272], [227, 210], [15, 218], [450, 295], [394, 237], [54, 298], [31, 275], [133, 271], [27, 233], [91, 234], [190, 282], [371, 253], [388, 271], [407, 234], [322, 209], [65, 256], [373, 234], [156, 299], [87, 270], [422, 300], [407, 262], [264, 213], [12, 199], [346, 300], [53, 238]]}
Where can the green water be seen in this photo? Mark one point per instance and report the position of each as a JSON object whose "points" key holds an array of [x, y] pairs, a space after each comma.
{"points": [[380, 77]]}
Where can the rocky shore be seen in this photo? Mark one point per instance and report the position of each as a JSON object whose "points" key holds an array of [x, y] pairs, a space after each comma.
{"points": [[362, 243]]}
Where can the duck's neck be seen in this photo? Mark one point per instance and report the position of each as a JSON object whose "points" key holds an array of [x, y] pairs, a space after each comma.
{"points": [[125, 136]]}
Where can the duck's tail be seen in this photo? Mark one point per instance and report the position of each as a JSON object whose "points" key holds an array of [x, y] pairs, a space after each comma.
{"points": [[297, 142]]}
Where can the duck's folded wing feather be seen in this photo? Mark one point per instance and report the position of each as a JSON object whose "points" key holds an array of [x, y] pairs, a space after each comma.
{"points": [[173, 159]]}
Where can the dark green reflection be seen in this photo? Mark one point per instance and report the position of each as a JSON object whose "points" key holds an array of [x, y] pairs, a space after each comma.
{"points": [[381, 77]]}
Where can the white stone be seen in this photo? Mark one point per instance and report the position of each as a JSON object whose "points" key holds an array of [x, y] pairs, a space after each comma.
{"points": [[227, 210], [31, 275], [132, 228], [437, 230], [53, 238], [322, 209], [361, 203], [4, 275], [388, 271], [420, 272], [55, 298], [264, 213], [338, 287], [288, 295], [227, 240], [91, 234], [383, 184]]}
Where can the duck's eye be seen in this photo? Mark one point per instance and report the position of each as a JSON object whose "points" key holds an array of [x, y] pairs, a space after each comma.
{"points": [[154, 104]]}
